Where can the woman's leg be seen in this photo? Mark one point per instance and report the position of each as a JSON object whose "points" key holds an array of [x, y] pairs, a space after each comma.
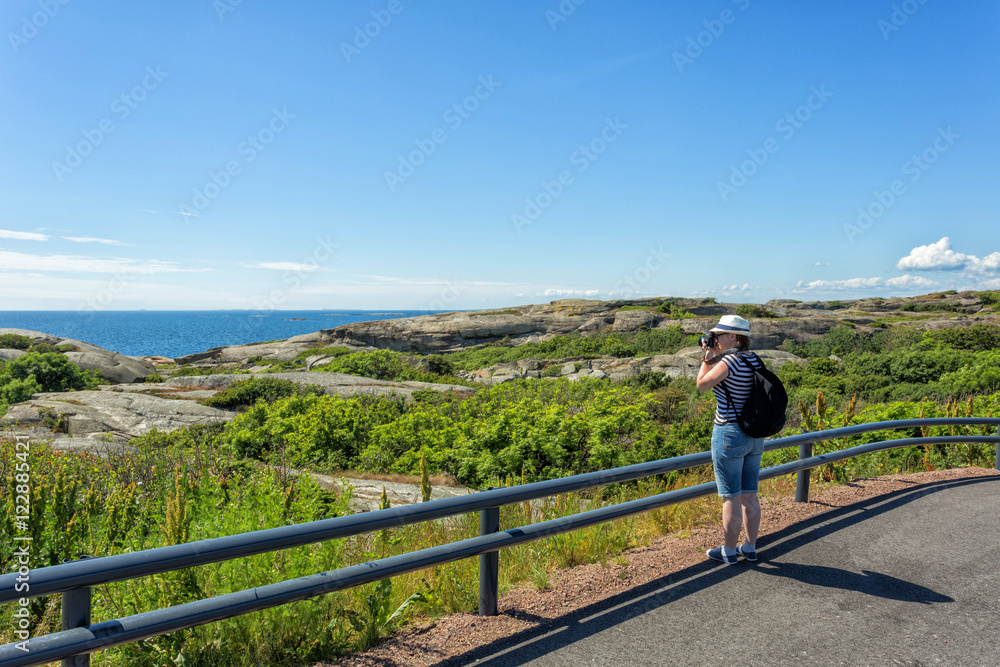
{"points": [[751, 517], [732, 521]]}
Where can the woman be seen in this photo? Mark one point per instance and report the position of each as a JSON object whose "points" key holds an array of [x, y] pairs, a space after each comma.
{"points": [[735, 455]]}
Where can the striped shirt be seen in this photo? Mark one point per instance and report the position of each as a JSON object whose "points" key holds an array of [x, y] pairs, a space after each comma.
{"points": [[738, 382]]}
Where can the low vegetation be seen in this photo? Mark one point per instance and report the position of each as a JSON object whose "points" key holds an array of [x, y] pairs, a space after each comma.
{"points": [[219, 479], [639, 344], [41, 369]]}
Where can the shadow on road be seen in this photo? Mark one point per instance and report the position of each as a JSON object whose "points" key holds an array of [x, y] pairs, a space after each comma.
{"points": [[869, 583], [554, 634]]}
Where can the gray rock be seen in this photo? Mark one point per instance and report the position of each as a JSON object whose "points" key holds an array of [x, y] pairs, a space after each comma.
{"points": [[111, 365], [117, 415], [7, 354], [334, 384]]}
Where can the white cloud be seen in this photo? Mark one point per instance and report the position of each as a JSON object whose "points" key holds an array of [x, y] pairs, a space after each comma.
{"points": [[940, 257], [568, 292], [900, 282], [935, 256], [988, 264], [282, 266], [90, 239], [22, 236], [393, 280], [907, 280], [19, 261]]}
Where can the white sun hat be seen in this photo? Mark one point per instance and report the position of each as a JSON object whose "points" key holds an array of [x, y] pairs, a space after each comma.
{"points": [[733, 324]]}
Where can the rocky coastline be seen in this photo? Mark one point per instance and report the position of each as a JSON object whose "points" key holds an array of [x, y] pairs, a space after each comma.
{"points": [[129, 405]]}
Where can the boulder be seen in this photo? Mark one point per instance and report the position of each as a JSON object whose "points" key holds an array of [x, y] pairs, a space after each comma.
{"points": [[115, 415], [115, 367], [111, 365], [7, 354]]}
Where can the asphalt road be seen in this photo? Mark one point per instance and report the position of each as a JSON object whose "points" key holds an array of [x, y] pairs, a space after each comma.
{"points": [[910, 578]]}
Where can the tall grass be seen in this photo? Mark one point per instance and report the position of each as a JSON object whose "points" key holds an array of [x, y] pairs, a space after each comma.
{"points": [[161, 495]]}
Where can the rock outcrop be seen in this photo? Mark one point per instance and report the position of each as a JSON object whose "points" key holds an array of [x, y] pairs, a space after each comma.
{"points": [[684, 363], [334, 384], [117, 416], [112, 366], [796, 321]]}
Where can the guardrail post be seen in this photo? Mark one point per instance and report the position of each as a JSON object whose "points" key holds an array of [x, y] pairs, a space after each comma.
{"points": [[802, 478], [997, 465], [76, 614], [489, 563]]}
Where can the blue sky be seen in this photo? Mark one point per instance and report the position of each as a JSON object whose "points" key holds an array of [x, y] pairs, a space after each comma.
{"points": [[413, 154]]}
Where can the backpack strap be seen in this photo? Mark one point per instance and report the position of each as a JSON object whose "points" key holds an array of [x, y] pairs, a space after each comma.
{"points": [[729, 397], [753, 355]]}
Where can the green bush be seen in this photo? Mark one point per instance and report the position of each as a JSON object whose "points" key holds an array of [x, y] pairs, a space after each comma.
{"points": [[50, 371], [9, 341], [334, 351], [752, 310], [378, 364], [244, 393], [665, 340], [977, 338], [440, 365], [990, 299]]}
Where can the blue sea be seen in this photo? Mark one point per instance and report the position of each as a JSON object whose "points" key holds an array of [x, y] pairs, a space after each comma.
{"points": [[174, 333]]}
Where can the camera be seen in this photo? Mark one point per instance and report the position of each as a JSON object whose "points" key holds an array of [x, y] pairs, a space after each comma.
{"points": [[708, 340]]}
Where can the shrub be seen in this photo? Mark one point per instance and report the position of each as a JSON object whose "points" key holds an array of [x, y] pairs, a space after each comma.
{"points": [[440, 365], [673, 311], [978, 337], [990, 299], [17, 390], [751, 310], [245, 393], [9, 341], [335, 351], [552, 371], [51, 371]]}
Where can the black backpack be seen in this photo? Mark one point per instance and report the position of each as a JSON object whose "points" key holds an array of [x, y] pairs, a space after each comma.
{"points": [[763, 414]]}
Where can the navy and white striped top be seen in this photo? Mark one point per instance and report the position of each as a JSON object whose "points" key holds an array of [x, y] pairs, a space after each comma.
{"points": [[738, 382]]}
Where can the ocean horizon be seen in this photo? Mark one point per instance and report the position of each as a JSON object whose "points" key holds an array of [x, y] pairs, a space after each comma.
{"points": [[175, 333]]}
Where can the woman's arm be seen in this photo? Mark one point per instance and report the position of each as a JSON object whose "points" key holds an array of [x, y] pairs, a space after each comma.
{"points": [[712, 372]]}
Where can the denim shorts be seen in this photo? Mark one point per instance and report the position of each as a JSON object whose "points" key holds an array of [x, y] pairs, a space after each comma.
{"points": [[736, 460]]}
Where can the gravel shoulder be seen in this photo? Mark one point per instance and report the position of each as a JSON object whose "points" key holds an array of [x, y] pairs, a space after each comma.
{"points": [[464, 638]]}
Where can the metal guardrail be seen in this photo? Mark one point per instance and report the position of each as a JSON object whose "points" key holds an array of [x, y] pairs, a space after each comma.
{"points": [[74, 580]]}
